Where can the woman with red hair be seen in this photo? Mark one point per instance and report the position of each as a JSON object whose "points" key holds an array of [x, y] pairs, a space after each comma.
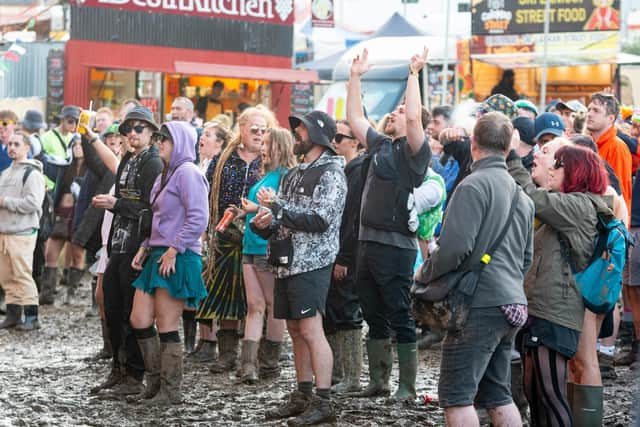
{"points": [[568, 211]]}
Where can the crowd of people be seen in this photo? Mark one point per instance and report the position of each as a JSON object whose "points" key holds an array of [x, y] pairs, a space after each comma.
{"points": [[247, 232]]}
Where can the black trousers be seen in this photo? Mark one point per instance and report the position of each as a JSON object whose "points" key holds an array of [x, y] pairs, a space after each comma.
{"points": [[38, 261], [383, 279], [343, 308], [118, 302]]}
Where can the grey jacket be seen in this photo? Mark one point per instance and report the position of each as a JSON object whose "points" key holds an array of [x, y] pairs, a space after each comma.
{"points": [[550, 286], [312, 220], [475, 216], [21, 204]]}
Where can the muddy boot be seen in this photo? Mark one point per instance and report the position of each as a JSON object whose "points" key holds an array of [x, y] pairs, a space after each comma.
{"points": [[430, 339], [13, 317], [207, 351], [269, 359], [607, 370], [318, 411], [351, 361], [73, 281], [249, 362], [586, 405], [189, 327], [627, 357], [64, 277], [228, 344], [296, 404], [335, 342], [408, 367], [128, 386], [115, 376], [48, 283], [30, 319], [93, 310], [150, 349], [380, 362], [170, 375]]}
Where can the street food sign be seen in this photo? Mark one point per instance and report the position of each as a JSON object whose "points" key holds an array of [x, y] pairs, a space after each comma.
{"points": [[496, 17]]}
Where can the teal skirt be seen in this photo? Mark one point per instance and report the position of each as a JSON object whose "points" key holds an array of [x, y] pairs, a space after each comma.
{"points": [[186, 283]]}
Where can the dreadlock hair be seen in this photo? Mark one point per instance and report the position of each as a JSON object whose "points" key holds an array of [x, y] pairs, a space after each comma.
{"points": [[214, 217]]}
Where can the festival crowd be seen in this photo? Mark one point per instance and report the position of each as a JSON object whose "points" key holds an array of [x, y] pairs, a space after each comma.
{"points": [[243, 233]]}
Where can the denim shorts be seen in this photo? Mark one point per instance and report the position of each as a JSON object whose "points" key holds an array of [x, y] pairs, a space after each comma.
{"points": [[476, 362], [260, 261]]}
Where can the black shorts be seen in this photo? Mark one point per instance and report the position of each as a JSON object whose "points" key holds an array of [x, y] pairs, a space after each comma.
{"points": [[300, 296]]}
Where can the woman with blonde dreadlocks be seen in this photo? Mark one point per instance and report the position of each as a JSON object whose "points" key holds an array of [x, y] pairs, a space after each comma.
{"points": [[232, 174]]}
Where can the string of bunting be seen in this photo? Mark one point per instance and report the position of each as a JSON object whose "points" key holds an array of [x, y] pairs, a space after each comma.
{"points": [[15, 52]]}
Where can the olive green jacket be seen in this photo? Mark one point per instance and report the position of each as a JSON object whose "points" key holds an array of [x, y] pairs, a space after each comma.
{"points": [[552, 293]]}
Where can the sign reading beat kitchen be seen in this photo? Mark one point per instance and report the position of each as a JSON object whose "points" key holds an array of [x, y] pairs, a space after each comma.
{"points": [[527, 16], [274, 11]]}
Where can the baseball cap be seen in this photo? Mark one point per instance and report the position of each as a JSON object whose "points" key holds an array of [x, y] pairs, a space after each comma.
{"points": [[527, 105], [113, 128], [321, 127], [551, 105], [526, 129], [501, 104], [573, 105], [548, 123]]}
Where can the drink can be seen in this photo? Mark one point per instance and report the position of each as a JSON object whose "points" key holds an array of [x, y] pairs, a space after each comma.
{"points": [[225, 221]]}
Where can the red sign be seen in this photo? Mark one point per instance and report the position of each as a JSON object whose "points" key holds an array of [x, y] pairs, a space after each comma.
{"points": [[322, 13], [270, 11]]}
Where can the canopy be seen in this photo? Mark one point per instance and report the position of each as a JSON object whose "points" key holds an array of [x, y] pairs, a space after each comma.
{"points": [[535, 59], [244, 72], [397, 26]]}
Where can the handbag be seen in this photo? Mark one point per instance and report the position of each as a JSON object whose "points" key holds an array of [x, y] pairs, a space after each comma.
{"points": [[444, 303]]}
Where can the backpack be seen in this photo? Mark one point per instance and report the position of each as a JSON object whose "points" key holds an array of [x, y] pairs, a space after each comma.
{"points": [[48, 217], [600, 283]]}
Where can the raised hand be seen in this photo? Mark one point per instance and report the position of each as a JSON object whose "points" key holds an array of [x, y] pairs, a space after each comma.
{"points": [[360, 64], [418, 61]]}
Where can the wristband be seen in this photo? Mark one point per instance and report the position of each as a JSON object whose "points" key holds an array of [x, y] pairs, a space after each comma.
{"points": [[412, 72], [92, 140]]}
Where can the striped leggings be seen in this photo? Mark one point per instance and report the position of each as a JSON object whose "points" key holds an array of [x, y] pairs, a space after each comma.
{"points": [[545, 385]]}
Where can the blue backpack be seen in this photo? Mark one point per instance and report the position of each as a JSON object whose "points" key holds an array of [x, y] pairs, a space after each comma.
{"points": [[601, 282]]}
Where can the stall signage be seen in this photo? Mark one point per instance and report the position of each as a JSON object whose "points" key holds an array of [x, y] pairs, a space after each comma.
{"points": [[322, 13], [272, 11], [494, 17]]}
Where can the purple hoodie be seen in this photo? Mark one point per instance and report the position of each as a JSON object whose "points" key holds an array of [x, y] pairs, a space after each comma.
{"points": [[181, 210]]}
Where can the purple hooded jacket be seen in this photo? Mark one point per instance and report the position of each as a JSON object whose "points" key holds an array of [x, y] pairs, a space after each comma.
{"points": [[181, 210]]}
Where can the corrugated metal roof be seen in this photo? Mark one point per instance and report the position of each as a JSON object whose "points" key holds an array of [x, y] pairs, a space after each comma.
{"points": [[28, 77]]}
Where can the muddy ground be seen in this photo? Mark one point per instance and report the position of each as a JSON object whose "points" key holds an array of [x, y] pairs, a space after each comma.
{"points": [[45, 380]]}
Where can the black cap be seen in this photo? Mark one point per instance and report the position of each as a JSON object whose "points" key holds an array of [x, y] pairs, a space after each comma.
{"points": [[321, 127], [33, 119], [139, 113], [526, 129], [70, 111]]}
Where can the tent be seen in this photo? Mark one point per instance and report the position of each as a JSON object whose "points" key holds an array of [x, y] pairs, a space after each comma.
{"points": [[395, 26]]}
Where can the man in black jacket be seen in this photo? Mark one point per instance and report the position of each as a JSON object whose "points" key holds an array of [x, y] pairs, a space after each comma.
{"points": [[130, 205], [387, 247], [343, 322]]}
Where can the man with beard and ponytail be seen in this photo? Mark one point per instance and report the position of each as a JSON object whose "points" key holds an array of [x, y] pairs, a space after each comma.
{"points": [[387, 246], [302, 224]]}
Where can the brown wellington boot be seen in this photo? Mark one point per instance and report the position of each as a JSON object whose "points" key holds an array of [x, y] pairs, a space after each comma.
{"points": [[269, 359], [150, 349], [228, 341], [170, 375], [318, 411], [249, 362], [115, 376]]}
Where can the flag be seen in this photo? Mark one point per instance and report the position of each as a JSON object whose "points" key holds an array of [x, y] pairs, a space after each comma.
{"points": [[17, 49], [11, 56]]}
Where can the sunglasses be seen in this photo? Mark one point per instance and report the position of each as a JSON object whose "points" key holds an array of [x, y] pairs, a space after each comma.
{"points": [[6, 123], [127, 128], [158, 137], [71, 120], [339, 137], [255, 129], [558, 164]]}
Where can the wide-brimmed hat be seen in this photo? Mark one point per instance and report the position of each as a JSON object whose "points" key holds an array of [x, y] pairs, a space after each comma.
{"points": [[139, 113], [501, 104], [70, 111], [321, 127], [33, 119]]}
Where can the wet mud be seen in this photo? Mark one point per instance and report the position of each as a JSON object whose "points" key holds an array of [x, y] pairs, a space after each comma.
{"points": [[45, 377]]}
